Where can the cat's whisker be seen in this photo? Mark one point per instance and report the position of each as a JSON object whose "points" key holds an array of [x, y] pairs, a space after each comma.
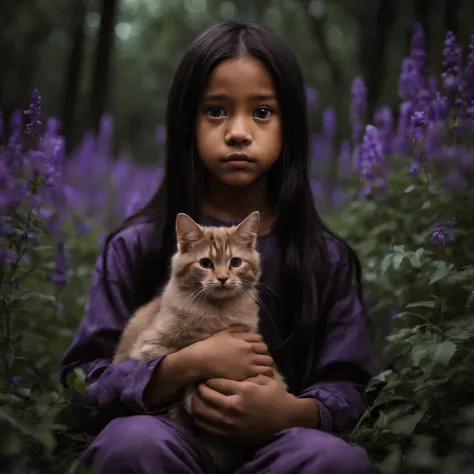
{"points": [[260, 284]]}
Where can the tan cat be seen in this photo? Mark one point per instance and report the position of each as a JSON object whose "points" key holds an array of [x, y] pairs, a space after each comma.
{"points": [[213, 282]]}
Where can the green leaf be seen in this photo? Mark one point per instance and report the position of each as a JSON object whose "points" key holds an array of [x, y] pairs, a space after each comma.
{"points": [[405, 425], [397, 261], [409, 188], [386, 262], [444, 352], [441, 272], [426, 205], [422, 304], [419, 252], [414, 260], [420, 351]]}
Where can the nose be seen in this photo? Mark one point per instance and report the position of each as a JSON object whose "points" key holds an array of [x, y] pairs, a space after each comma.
{"points": [[238, 133], [222, 279]]}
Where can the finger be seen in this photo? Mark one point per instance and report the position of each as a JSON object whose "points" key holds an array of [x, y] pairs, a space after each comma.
{"points": [[213, 397], [206, 413], [262, 370], [263, 360], [260, 348], [251, 337], [225, 387], [259, 379]]}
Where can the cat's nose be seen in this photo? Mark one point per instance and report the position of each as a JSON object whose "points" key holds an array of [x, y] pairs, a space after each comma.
{"points": [[223, 279]]}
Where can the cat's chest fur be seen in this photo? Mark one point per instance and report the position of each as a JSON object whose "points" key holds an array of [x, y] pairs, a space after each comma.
{"points": [[188, 323]]}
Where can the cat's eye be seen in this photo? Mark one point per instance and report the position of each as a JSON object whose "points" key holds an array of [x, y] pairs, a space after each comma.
{"points": [[205, 263], [235, 262]]}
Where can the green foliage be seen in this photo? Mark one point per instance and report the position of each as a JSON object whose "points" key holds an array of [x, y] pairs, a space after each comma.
{"points": [[421, 294]]}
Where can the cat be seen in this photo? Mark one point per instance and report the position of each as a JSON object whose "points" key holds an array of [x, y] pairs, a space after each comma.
{"points": [[213, 285]]}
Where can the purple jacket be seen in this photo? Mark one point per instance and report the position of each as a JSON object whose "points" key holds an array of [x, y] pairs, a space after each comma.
{"points": [[116, 390]]}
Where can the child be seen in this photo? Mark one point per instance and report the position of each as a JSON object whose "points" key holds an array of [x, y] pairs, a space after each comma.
{"points": [[237, 141]]}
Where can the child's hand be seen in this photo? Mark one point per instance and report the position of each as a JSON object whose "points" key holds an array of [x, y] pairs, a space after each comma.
{"points": [[232, 354], [249, 412]]}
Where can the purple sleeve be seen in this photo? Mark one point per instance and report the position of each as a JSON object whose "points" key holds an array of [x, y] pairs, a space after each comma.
{"points": [[345, 362], [113, 390]]}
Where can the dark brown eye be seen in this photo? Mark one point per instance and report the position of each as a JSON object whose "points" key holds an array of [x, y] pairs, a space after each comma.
{"points": [[205, 263], [216, 111], [263, 113], [235, 262]]}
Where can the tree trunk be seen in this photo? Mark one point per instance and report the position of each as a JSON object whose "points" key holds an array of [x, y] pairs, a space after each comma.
{"points": [[451, 10], [100, 80], [74, 68], [373, 50]]}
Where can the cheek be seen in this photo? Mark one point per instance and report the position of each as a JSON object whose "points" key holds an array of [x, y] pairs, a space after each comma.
{"points": [[206, 139], [271, 141]]}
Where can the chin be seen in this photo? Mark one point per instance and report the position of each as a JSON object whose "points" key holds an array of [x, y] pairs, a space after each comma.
{"points": [[222, 293], [238, 180]]}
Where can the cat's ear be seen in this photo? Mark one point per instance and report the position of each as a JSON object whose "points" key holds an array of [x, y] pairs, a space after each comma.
{"points": [[187, 232], [247, 230]]}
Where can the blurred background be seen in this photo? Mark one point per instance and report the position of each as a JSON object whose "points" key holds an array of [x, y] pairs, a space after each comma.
{"points": [[87, 80], [90, 57]]}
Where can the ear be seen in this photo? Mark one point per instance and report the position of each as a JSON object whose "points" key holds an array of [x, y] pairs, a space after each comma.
{"points": [[187, 232], [248, 228]]}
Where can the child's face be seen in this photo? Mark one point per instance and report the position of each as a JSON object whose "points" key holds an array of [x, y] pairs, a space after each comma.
{"points": [[239, 115]]}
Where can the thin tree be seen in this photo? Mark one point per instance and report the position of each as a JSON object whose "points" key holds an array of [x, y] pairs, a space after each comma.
{"points": [[103, 56], [72, 78]]}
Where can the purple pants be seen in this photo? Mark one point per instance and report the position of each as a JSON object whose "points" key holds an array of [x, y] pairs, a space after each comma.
{"points": [[145, 444]]}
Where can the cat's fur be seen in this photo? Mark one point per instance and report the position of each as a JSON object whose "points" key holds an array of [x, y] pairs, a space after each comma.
{"points": [[195, 304]]}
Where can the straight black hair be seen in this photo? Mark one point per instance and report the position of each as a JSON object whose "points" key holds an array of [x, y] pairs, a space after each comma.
{"points": [[302, 236]]}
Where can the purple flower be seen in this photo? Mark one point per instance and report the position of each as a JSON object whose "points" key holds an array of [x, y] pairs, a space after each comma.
{"points": [[53, 147], [440, 107], [13, 157], [383, 120], [358, 107], [370, 165], [442, 235], [470, 110], [409, 80], [453, 181], [433, 85], [34, 124], [329, 122], [8, 187], [15, 380], [417, 50], [60, 271], [469, 74], [419, 122], [403, 129], [451, 64], [414, 169], [344, 158]]}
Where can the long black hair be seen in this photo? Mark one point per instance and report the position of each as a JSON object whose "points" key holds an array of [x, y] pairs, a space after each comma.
{"points": [[302, 236]]}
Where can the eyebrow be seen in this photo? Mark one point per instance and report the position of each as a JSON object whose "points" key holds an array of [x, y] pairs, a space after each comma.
{"points": [[227, 98]]}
